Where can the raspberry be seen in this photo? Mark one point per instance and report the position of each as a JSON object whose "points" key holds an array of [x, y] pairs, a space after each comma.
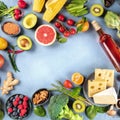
{"points": [[15, 103], [10, 110], [17, 99], [21, 115], [20, 106], [25, 98], [23, 111], [26, 106], [25, 103]]}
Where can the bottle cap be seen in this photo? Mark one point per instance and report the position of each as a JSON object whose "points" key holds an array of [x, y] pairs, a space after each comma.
{"points": [[96, 25]]}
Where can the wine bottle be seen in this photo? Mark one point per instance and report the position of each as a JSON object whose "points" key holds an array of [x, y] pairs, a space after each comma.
{"points": [[109, 45]]}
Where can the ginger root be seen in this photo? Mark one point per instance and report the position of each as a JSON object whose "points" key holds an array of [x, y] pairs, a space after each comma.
{"points": [[8, 84]]}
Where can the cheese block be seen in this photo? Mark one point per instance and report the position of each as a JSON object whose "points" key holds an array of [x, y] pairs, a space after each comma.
{"points": [[105, 74], [108, 96], [96, 86]]}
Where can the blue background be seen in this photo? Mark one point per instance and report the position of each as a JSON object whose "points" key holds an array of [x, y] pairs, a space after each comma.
{"points": [[42, 66]]}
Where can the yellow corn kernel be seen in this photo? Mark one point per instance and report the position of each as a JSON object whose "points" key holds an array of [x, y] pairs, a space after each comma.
{"points": [[38, 5], [51, 12]]}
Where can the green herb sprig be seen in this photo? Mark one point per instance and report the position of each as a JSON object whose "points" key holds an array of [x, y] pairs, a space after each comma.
{"points": [[12, 58]]}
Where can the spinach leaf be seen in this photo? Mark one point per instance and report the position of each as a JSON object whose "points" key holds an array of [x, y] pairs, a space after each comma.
{"points": [[102, 109]]}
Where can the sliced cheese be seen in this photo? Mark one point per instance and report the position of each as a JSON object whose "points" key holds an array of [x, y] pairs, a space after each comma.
{"points": [[95, 86], [105, 74], [108, 96]]}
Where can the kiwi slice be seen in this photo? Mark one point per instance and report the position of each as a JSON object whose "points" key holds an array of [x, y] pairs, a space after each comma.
{"points": [[78, 106], [96, 10]]}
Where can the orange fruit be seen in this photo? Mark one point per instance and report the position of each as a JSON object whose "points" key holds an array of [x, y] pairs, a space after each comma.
{"points": [[3, 43], [83, 25], [77, 78]]}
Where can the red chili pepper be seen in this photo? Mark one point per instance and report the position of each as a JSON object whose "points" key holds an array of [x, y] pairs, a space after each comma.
{"points": [[16, 52]]}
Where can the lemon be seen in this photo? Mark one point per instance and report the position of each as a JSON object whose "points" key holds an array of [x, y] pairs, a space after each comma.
{"points": [[77, 78], [3, 43]]}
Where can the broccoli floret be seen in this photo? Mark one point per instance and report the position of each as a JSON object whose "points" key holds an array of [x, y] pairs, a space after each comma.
{"points": [[58, 108]]}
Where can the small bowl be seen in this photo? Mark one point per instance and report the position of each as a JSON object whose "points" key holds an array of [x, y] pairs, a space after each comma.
{"points": [[118, 104], [9, 26], [15, 104], [40, 97]]}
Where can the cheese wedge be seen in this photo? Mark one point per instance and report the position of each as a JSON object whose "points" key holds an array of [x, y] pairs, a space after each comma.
{"points": [[108, 96], [96, 86], [105, 74]]}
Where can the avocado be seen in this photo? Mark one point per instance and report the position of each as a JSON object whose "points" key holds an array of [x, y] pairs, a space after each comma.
{"points": [[24, 42], [29, 21]]}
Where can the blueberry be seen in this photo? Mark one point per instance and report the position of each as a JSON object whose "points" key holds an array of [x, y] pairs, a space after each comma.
{"points": [[9, 105], [15, 109], [16, 96], [21, 96], [18, 111], [20, 102], [14, 113], [11, 98]]}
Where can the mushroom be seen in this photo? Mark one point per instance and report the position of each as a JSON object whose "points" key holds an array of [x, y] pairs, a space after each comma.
{"points": [[111, 111]]}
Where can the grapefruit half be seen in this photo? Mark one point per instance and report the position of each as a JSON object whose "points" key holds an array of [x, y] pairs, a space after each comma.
{"points": [[45, 35]]}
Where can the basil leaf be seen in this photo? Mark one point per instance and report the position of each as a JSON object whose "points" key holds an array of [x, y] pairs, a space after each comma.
{"points": [[62, 40]]}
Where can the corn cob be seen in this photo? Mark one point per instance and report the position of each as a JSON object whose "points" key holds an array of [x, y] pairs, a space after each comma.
{"points": [[38, 5], [51, 12]]}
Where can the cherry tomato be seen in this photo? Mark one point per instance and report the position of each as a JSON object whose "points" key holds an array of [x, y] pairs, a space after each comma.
{"points": [[57, 24], [67, 84], [66, 33], [72, 31], [62, 29], [61, 17], [2, 61], [70, 22]]}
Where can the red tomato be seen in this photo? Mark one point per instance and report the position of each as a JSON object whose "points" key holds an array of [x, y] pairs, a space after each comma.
{"points": [[67, 84], [2, 61]]}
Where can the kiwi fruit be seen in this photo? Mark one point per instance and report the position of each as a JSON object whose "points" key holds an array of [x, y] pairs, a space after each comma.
{"points": [[78, 106], [96, 10]]}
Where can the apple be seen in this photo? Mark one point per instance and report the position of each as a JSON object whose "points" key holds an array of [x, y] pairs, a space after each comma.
{"points": [[2, 61]]}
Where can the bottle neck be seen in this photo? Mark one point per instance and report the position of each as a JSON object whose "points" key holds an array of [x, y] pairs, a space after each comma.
{"points": [[100, 32]]}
